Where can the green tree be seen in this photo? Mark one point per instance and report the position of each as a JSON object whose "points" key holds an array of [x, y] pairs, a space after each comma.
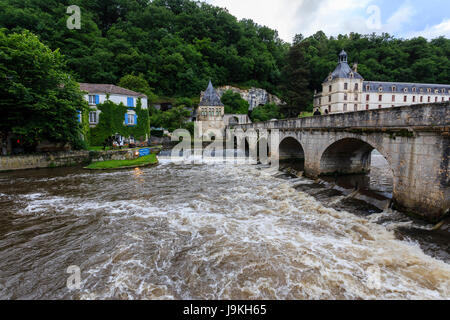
{"points": [[267, 112], [40, 101], [296, 82], [138, 84], [234, 104]]}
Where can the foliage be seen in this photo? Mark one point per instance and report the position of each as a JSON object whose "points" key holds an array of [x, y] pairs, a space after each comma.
{"points": [[234, 104], [296, 77], [115, 164], [111, 122], [178, 45], [267, 112], [138, 84], [39, 100]]}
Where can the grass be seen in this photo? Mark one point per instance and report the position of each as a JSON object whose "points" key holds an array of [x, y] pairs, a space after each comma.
{"points": [[117, 164], [306, 114]]}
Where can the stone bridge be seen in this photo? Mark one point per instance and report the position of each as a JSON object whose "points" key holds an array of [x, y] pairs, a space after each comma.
{"points": [[415, 141]]}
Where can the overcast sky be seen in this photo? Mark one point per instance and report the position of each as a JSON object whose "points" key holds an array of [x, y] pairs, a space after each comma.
{"points": [[402, 18]]}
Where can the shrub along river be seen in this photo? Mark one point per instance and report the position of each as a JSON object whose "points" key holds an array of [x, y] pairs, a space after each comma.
{"points": [[213, 231]]}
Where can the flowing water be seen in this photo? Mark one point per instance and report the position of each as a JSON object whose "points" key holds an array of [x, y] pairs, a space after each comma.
{"points": [[210, 231]]}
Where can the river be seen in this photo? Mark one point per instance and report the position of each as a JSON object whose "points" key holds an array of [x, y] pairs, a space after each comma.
{"points": [[211, 231]]}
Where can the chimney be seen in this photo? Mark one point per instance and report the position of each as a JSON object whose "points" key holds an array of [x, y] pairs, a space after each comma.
{"points": [[355, 67]]}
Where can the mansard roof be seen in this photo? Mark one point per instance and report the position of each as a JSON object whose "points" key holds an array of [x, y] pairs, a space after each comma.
{"points": [[109, 89], [211, 98], [374, 86]]}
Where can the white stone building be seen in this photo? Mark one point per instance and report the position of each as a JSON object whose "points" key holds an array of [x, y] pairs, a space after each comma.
{"points": [[99, 93], [345, 90]]}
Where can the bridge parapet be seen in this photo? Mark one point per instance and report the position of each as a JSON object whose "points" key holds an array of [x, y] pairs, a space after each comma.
{"points": [[418, 117]]}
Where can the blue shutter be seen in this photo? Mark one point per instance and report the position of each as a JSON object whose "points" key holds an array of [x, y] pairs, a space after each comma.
{"points": [[130, 102], [126, 119], [135, 119], [97, 99], [79, 116]]}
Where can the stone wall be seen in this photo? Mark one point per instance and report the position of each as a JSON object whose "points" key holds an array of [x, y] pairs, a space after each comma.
{"points": [[61, 159]]}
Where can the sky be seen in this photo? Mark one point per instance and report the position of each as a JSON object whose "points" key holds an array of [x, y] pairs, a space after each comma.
{"points": [[401, 18]]}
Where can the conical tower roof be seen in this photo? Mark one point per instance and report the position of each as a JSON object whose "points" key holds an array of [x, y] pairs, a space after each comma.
{"points": [[210, 98]]}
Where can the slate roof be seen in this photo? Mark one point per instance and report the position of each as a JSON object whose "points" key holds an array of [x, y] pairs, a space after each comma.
{"points": [[343, 70], [211, 98], [109, 89], [401, 86]]}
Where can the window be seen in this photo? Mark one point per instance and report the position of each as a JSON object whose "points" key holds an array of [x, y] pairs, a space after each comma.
{"points": [[217, 112], [394, 88], [393, 98], [345, 107], [356, 97], [93, 99], [443, 90], [130, 102], [379, 106], [345, 96], [429, 99], [380, 89], [330, 88], [356, 107], [329, 98], [367, 97], [320, 101], [429, 90], [421, 98], [436, 91], [367, 107], [436, 99], [356, 87], [367, 88], [421, 90], [93, 117], [405, 98], [414, 99], [131, 118], [414, 89], [405, 90], [443, 99], [380, 97], [346, 86]]}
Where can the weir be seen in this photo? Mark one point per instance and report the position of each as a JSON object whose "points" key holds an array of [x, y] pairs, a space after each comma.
{"points": [[415, 140]]}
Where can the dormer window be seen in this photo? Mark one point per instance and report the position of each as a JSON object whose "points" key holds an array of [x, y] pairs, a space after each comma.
{"points": [[367, 88], [351, 75], [443, 90], [421, 90], [405, 90], [380, 89], [414, 89], [346, 86], [394, 88], [429, 90], [436, 91]]}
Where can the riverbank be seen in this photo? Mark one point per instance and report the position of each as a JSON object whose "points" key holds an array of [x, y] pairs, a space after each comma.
{"points": [[124, 164], [68, 159]]}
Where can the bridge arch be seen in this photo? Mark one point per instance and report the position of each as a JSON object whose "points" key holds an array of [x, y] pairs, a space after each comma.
{"points": [[290, 151], [351, 155]]}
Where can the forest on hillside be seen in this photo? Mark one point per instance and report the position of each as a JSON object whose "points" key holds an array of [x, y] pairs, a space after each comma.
{"points": [[178, 45]]}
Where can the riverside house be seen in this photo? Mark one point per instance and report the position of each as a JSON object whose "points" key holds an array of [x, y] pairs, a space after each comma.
{"points": [[98, 93]]}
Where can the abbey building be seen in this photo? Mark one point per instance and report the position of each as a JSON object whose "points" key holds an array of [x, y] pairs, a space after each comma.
{"points": [[345, 90]]}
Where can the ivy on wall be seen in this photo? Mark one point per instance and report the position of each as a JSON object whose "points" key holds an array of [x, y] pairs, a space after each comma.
{"points": [[112, 121]]}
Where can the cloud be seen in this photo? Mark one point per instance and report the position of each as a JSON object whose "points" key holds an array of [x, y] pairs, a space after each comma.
{"points": [[290, 17], [441, 29]]}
